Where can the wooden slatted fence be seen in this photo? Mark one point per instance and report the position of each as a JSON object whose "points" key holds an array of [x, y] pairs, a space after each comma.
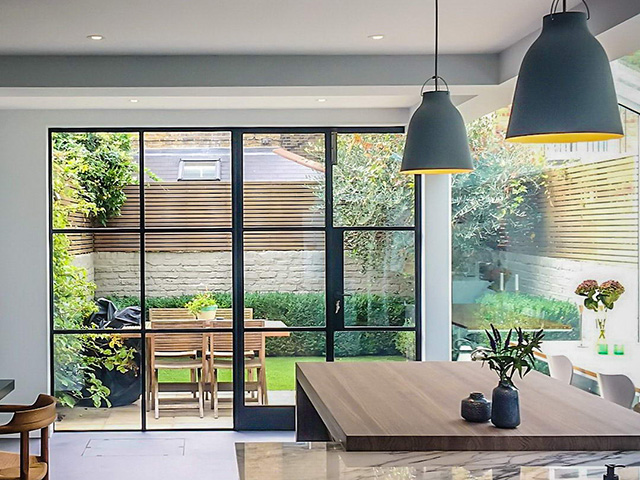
{"points": [[589, 212], [208, 204]]}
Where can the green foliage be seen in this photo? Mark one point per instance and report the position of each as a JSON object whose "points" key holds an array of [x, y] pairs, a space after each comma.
{"points": [[90, 171], [494, 202], [632, 61], [368, 187], [509, 310], [369, 190], [72, 291], [506, 357], [406, 344], [201, 301], [95, 167]]}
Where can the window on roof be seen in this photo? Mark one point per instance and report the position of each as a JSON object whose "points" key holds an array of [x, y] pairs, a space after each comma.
{"points": [[199, 169]]}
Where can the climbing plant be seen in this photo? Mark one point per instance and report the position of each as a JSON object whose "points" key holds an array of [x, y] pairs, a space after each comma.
{"points": [[90, 171]]}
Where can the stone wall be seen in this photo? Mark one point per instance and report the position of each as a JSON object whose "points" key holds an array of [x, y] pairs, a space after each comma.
{"points": [[173, 273], [558, 278]]}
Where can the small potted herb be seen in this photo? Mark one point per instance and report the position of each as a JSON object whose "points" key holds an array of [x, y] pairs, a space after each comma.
{"points": [[203, 306], [506, 357]]}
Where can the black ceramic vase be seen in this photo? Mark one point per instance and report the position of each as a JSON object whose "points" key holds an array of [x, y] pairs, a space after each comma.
{"points": [[505, 409], [475, 408]]}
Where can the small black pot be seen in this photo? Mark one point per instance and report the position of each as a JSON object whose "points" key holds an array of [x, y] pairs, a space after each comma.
{"points": [[505, 411], [475, 408]]}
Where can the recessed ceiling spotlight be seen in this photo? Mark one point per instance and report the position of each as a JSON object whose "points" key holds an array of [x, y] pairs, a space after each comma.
{"points": [[134, 100], [377, 36], [322, 100], [95, 36]]}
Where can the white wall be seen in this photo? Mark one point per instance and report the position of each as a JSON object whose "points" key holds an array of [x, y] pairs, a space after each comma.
{"points": [[559, 277], [24, 304]]}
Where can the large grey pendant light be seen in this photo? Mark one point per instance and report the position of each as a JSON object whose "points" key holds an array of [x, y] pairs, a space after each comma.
{"points": [[565, 90], [437, 140]]}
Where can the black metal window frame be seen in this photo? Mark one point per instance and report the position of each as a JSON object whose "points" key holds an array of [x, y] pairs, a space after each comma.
{"points": [[253, 417]]}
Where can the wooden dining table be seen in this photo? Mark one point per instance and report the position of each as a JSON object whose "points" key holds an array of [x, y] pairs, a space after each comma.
{"points": [[394, 406], [6, 387]]}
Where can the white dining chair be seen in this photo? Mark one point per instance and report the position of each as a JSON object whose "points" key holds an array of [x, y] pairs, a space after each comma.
{"points": [[561, 368], [617, 389]]}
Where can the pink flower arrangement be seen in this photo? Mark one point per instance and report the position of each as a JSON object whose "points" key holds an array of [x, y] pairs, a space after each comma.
{"points": [[607, 293], [587, 288]]}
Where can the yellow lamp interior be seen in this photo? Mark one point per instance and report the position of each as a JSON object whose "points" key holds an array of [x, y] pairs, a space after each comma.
{"points": [[436, 171], [573, 137]]}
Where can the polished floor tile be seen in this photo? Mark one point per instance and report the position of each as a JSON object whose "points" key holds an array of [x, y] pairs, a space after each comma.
{"points": [[205, 455]]}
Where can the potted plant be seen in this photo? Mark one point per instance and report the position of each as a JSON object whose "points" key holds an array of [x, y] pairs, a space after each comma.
{"points": [[203, 305], [506, 357], [600, 299]]}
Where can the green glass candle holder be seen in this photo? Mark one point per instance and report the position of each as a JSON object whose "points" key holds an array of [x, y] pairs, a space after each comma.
{"points": [[618, 349], [602, 348]]}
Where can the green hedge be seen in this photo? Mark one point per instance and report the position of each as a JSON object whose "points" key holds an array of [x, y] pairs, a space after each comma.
{"points": [[308, 309]]}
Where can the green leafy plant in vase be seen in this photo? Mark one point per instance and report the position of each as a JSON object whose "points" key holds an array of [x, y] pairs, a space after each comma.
{"points": [[508, 356], [600, 298], [203, 305]]}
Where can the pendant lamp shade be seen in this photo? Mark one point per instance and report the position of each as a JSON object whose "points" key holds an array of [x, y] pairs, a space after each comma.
{"points": [[436, 138], [565, 91]]}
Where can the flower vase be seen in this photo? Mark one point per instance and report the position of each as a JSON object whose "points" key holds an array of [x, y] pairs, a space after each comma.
{"points": [[601, 324], [505, 408]]}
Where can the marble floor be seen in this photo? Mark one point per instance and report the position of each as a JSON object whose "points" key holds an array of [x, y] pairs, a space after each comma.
{"points": [[147, 456], [322, 461]]}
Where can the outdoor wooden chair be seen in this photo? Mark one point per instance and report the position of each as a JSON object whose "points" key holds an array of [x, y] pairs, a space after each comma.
{"points": [[227, 313], [185, 314], [26, 419], [221, 358], [179, 351], [159, 314]]}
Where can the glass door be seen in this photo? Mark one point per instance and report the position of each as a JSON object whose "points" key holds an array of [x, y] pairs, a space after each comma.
{"points": [[191, 269], [375, 241]]}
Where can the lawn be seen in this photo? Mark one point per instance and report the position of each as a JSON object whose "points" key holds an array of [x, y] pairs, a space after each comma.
{"points": [[280, 370]]}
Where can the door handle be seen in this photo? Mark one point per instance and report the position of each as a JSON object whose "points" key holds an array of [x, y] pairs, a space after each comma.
{"points": [[338, 306]]}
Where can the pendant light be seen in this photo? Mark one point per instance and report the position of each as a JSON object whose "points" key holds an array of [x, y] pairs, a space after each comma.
{"points": [[565, 91], [437, 140]]}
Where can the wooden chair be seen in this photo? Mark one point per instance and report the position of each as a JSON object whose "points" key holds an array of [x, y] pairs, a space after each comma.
{"points": [[221, 358], [227, 313], [184, 314], [28, 418], [161, 314], [179, 351]]}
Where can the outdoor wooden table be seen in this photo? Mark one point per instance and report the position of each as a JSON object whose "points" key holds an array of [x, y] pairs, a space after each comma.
{"points": [[389, 406], [6, 387]]}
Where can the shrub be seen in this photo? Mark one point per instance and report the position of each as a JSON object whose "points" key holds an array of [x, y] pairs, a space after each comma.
{"points": [[506, 310], [308, 309]]}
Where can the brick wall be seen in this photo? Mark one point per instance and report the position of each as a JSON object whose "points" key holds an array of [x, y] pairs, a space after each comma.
{"points": [[171, 274]]}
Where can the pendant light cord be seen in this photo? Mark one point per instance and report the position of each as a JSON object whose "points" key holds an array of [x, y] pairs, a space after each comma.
{"points": [[436, 77], [436, 46]]}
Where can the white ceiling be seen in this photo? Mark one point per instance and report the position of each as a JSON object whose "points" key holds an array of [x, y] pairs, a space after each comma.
{"points": [[263, 26]]}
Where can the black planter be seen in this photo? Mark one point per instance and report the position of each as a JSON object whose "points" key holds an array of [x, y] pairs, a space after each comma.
{"points": [[476, 408], [505, 410]]}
